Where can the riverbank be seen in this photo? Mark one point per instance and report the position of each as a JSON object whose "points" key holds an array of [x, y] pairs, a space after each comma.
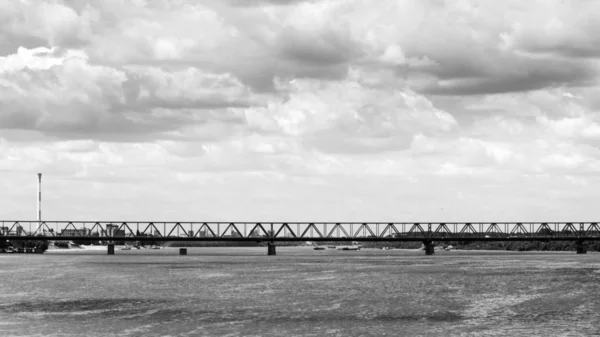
{"points": [[517, 246], [291, 251]]}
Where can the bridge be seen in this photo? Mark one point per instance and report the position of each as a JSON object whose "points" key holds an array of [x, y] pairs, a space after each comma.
{"points": [[272, 232]]}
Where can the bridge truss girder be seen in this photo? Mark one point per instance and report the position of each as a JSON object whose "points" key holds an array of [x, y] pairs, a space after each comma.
{"points": [[298, 231]]}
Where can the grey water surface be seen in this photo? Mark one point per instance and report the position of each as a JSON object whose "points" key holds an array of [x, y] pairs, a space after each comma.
{"points": [[299, 292]]}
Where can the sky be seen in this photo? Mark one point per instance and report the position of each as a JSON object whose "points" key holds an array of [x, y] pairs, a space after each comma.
{"points": [[290, 110]]}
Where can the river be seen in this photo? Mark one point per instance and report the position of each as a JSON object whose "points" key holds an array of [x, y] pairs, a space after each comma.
{"points": [[299, 292]]}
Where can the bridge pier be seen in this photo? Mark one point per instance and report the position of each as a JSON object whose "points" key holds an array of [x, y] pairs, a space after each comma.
{"points": [[111, 249], [581, 247], [429, 248], [182, 251], [271, 248]]}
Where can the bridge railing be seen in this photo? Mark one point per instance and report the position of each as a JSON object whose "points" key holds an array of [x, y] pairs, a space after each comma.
{"points": [[298, 230]]}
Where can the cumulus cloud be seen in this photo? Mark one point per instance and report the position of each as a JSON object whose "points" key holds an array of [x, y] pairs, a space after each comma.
{"points": [[343, 116], [562, 28], [64, 95], [392, 101]]}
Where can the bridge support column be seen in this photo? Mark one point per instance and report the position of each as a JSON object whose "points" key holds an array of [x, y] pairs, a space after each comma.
{"points": [[111, 249], [581, 247], [182, 251], [271, 248], [429, 250]]}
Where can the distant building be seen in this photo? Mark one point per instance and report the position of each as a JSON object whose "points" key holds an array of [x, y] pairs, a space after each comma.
{"points": [[18, 230], [202, 234], [75, 232], [111, 229], [114, 231]]}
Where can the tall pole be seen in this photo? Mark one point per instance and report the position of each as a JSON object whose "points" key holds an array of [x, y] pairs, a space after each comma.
{"points": [[39, 203]]}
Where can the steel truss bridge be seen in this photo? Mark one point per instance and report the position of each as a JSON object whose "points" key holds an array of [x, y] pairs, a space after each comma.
{"points": [[272, 232]]}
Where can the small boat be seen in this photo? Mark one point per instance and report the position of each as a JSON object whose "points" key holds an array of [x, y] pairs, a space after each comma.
{"points": [[319, 248], [126, 248], [155, 247]]}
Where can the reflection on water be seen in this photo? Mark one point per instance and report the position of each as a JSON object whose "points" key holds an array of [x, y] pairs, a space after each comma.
{"points": [[241, 292]]}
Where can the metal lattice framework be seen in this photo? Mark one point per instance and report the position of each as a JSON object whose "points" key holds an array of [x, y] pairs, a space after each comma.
{"points": [[297, 231]]}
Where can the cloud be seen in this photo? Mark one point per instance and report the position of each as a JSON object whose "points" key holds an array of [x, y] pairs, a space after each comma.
{"points": [[345, 116], [471, 51], [260, 3], [560, 28], [518, 77], [64, 95], [55, 23], [414, 103]]}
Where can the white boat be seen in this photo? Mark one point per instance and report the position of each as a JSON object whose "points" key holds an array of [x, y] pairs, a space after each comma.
{"points": [[126, 248]]}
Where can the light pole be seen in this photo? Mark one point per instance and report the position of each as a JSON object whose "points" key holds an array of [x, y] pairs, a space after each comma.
{"points": [[39, 201]]}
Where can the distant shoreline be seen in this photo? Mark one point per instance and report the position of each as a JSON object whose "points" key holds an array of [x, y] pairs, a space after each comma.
{"points": [[258, 251]]}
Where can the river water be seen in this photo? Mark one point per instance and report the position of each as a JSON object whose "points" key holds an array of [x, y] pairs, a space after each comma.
{"points": [[299, 292]]}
